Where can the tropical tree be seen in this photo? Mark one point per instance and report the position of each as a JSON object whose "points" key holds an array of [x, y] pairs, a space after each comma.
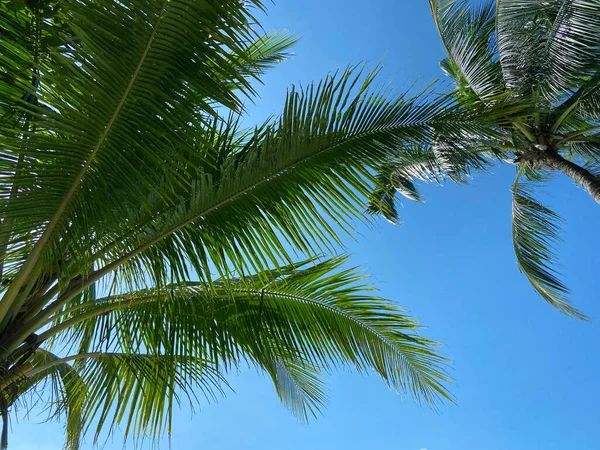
{"points": [[532, 69], [149, 243]]}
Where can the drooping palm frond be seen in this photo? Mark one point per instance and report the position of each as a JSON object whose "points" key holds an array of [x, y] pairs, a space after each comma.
{"points": [[67, 392], [102, 390], [444, 160], [310, 312], [535, 233], [291, 322], [584, 148], [392, 180], [299, 387]]}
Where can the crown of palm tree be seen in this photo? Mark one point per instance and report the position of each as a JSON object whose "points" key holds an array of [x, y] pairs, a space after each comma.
{"points": [[530, 70], [126, 181]]}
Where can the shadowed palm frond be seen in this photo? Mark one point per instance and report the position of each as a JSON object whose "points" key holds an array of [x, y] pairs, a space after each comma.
{"points": [[113, 100], [67, 391]]}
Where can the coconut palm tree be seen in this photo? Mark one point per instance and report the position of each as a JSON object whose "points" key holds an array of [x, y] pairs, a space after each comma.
{"points": [[536, 65], [148, 241]]}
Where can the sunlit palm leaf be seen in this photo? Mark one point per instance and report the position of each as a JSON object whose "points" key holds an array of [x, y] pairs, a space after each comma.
{"points": [[318, 315], [469, 37], [522, 57], [300, 387], [314, 160], [527, 70], [535, 233], [266, 52], [443, 161], [574, 46]]}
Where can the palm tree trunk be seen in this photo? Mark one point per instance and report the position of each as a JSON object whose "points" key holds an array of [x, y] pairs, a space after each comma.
{"points": [[4, 434], [578, 174]]}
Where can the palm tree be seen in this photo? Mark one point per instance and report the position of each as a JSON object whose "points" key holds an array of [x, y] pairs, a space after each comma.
{"points": [[148, 242], [532, 68]]}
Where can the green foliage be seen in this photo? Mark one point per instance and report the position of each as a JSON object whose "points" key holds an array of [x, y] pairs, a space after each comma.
{"points": [[127, 182], [534, 235], [526, 76], [139, 352]]}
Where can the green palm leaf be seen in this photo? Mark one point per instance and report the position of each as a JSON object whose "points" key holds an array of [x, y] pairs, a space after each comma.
{"points": [[127, 84], [125, 171], [137, 391], [310, 312], [469, 37], [526, 73], [67, 388], [291, 322], [266, 52], [299, 388], [314, 160], [535, 233]]}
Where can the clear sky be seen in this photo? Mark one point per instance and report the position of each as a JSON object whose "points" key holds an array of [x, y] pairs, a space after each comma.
{"points": [[526, 376]]}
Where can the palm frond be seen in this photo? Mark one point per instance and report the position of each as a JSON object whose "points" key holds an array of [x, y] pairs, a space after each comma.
{"points": [[582, 105], [114, 100], [535, 234], [138, 391], [265, 52], [317, 316], [524, 31], [396, 178], [586, 149], [573, 47], [67, 391], [299, 386], [468, 33], [444, 160], [283, 186]]}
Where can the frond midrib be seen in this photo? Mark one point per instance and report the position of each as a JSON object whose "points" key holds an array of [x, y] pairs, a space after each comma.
{"points": [[111, 266], [258, 292]]}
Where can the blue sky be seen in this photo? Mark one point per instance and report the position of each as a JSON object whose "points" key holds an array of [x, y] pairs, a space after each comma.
{"points": [[526, 376]]}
